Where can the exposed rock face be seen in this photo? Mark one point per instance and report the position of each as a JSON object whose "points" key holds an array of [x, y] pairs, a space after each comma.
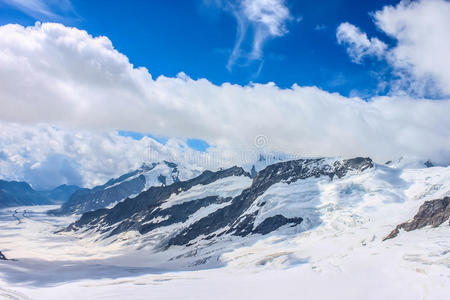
{"points": [[2, 257], [241, 224], [134, 213], [428, 164], [91, 199], [431, 213], [273, 223], [222, 215]]}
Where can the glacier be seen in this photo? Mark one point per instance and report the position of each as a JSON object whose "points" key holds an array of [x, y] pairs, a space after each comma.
{"points": [[336, 251]]}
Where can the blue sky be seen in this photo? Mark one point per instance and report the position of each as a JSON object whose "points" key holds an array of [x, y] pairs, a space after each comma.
{"points": [[352, 78], [197, 38]]}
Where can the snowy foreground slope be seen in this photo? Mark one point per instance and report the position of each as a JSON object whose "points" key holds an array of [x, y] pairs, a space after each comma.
{"points": [[335, 252]]}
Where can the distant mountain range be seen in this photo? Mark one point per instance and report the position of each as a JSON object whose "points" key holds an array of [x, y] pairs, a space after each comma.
{"points": [[137, 181], [17, 193], [76, 200], [126, 186]]}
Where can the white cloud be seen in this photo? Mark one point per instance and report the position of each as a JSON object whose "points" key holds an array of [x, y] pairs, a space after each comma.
{"points": [[262, 19], [358, 44], [65, 77], [420, 57], [46, 156], [271, 13], [421, 29]]}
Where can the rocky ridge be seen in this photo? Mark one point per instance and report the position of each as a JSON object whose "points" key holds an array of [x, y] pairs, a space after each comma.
{"points": [[227, 215], [432, 213]]}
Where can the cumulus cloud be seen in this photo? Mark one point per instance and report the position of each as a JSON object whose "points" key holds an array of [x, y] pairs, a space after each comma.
{"points": [[420, 57], [46, 156], [358, 44], [260, 19], [65, 77], [421, 29]]}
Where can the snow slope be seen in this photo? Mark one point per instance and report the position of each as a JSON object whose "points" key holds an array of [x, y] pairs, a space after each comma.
{"points": [[337, 252]]}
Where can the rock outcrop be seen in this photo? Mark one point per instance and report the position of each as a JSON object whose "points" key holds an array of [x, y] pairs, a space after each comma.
{"points": [[241, 224], [432, 213], [136, 213]]}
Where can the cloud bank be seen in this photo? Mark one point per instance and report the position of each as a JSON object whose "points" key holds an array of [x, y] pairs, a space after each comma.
{"points": [[420, 56], [46, 156], [61, 76]]}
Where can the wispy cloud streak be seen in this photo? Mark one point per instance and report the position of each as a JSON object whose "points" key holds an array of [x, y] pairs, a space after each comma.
{"points": [[257, 22], [53, 9]]}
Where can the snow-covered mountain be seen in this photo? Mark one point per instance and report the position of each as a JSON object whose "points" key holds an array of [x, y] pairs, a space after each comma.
{"points": [[217, 206], [353, 224], [128, 185]]}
